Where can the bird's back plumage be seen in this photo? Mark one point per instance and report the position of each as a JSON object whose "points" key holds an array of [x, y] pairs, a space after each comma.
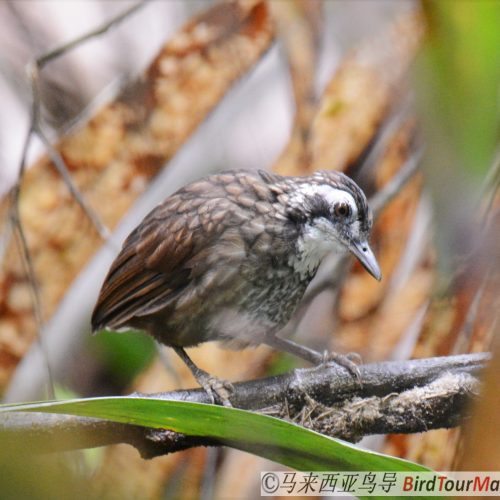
{"points": [[172, 251]]}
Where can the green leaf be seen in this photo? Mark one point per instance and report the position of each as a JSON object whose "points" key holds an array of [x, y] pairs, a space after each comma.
{"points": [[269, 437]]}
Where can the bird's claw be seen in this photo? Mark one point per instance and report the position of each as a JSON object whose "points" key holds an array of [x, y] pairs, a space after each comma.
{"points": [[354, 357], [348, 361], [218, 390]]}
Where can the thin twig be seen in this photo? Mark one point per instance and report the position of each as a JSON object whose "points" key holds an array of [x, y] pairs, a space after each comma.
{"points": [[491, 185], [381, 199], [57, 159], [15, 218], [383, 137], [61, 167], [42, 60], [467, 329]]}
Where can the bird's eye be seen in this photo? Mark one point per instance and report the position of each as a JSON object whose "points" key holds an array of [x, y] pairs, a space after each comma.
{"points": [[342, 209]]}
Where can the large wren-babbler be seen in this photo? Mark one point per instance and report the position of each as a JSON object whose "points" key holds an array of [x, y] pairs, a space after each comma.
{"points": [[229, 257]]}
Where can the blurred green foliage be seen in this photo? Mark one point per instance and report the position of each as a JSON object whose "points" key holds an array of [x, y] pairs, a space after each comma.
{"points": [[461, 66], [125, 354], [457, 78]]}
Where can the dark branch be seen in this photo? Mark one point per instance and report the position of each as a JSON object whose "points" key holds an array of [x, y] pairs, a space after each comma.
{"points": [[399, 396]]}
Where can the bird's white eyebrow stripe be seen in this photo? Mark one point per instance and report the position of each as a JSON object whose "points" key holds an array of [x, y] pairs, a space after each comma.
{"points": [[331, 194]]}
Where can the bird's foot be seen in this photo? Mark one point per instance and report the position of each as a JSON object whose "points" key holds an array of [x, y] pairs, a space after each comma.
{"points": [[212, 385], [348, 361], [218, 390]]}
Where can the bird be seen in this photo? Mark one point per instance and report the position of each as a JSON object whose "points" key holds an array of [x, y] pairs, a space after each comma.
{"points": [[228, 258]]}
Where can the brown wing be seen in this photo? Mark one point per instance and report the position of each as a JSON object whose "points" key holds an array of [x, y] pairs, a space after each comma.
{"points": [[168, 249]]}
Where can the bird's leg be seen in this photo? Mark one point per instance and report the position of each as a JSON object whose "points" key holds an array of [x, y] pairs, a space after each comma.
{"points": [[301, 351], [212, 385], [315, 357]]}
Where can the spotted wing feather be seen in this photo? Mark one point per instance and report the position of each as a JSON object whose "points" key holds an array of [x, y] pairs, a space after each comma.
{"points": [[174, 244]]}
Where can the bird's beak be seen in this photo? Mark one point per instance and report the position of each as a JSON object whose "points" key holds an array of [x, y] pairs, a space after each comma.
{"points": [[364, 254]]}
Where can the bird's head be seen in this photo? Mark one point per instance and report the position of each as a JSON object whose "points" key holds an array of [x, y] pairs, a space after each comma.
{"points": [[332, 215]]}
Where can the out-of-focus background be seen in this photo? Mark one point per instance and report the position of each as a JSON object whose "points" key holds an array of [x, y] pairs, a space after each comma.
{"points": [[91, 73], [165, 96]]}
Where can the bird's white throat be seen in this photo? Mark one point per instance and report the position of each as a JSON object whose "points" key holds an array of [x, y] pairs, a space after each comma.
{"points": [[312, 247]]}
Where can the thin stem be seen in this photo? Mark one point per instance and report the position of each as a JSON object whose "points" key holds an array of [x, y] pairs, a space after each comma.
{"points": [[15, 219], [58, 160], [42, 60], [381, 199]]}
